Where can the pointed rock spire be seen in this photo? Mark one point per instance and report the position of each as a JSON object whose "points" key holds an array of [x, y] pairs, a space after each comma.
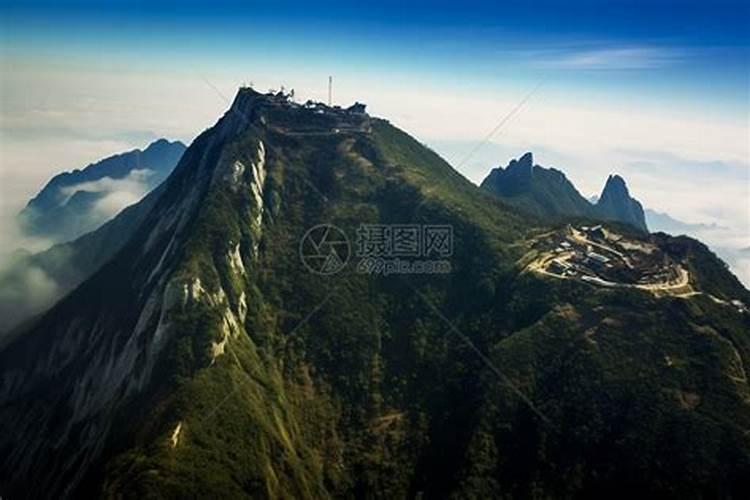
{"points": [[615, 203]]}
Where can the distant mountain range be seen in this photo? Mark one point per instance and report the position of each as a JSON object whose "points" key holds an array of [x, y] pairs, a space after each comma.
{"points": [[74, 203], [660, 221], [198, 354], [547, 192], [35, 281]]}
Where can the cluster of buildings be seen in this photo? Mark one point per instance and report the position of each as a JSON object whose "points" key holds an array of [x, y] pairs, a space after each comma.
{"points": [[576, 258], [591, 253], [282, 97], [279, 110], [578, 262], [318, 107]]}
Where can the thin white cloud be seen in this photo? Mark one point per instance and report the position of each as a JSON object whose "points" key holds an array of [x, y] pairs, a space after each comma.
{"points": [[25, 290], [117, 193], [612, 58], [132, 182]]}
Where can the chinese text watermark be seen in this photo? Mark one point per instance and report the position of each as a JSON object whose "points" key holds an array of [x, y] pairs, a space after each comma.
{"points": [[382, 249]]}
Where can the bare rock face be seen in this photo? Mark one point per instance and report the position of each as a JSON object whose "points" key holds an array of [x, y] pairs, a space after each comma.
{"points": [[615, 203]]}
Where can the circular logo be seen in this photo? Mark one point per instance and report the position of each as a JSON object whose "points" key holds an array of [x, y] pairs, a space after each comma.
{"points": [[324, 249]]}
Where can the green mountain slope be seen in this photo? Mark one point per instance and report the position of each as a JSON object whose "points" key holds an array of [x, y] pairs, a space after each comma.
{"points": [[205, 359]]}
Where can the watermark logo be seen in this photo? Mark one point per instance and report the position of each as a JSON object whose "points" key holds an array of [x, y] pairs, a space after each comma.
{"points": [[405, 241], [404, 248], [382, 249], [324, 249]]}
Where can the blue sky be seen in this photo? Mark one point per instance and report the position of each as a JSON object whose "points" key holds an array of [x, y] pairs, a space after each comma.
{"points": [[677, 51], [657, 91]]}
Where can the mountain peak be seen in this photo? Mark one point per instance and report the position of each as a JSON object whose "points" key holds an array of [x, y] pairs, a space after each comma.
{"points": [[548, 192], [527, 159], [280, 112], [162, 143], [246, 97], [50, 214], [512, 180], [615, 188], [616, 184], [616, 203], [543, 191], [523, 165]]}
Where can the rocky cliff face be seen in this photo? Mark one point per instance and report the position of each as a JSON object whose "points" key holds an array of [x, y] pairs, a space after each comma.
{"points": [[74, 203], [615, 203]]}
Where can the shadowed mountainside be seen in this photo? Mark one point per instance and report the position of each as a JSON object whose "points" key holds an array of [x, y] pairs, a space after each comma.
{"points": [[546, 192]]}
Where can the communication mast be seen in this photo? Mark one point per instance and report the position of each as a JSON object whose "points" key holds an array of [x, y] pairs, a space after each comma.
{"points": [[330, 91]]}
